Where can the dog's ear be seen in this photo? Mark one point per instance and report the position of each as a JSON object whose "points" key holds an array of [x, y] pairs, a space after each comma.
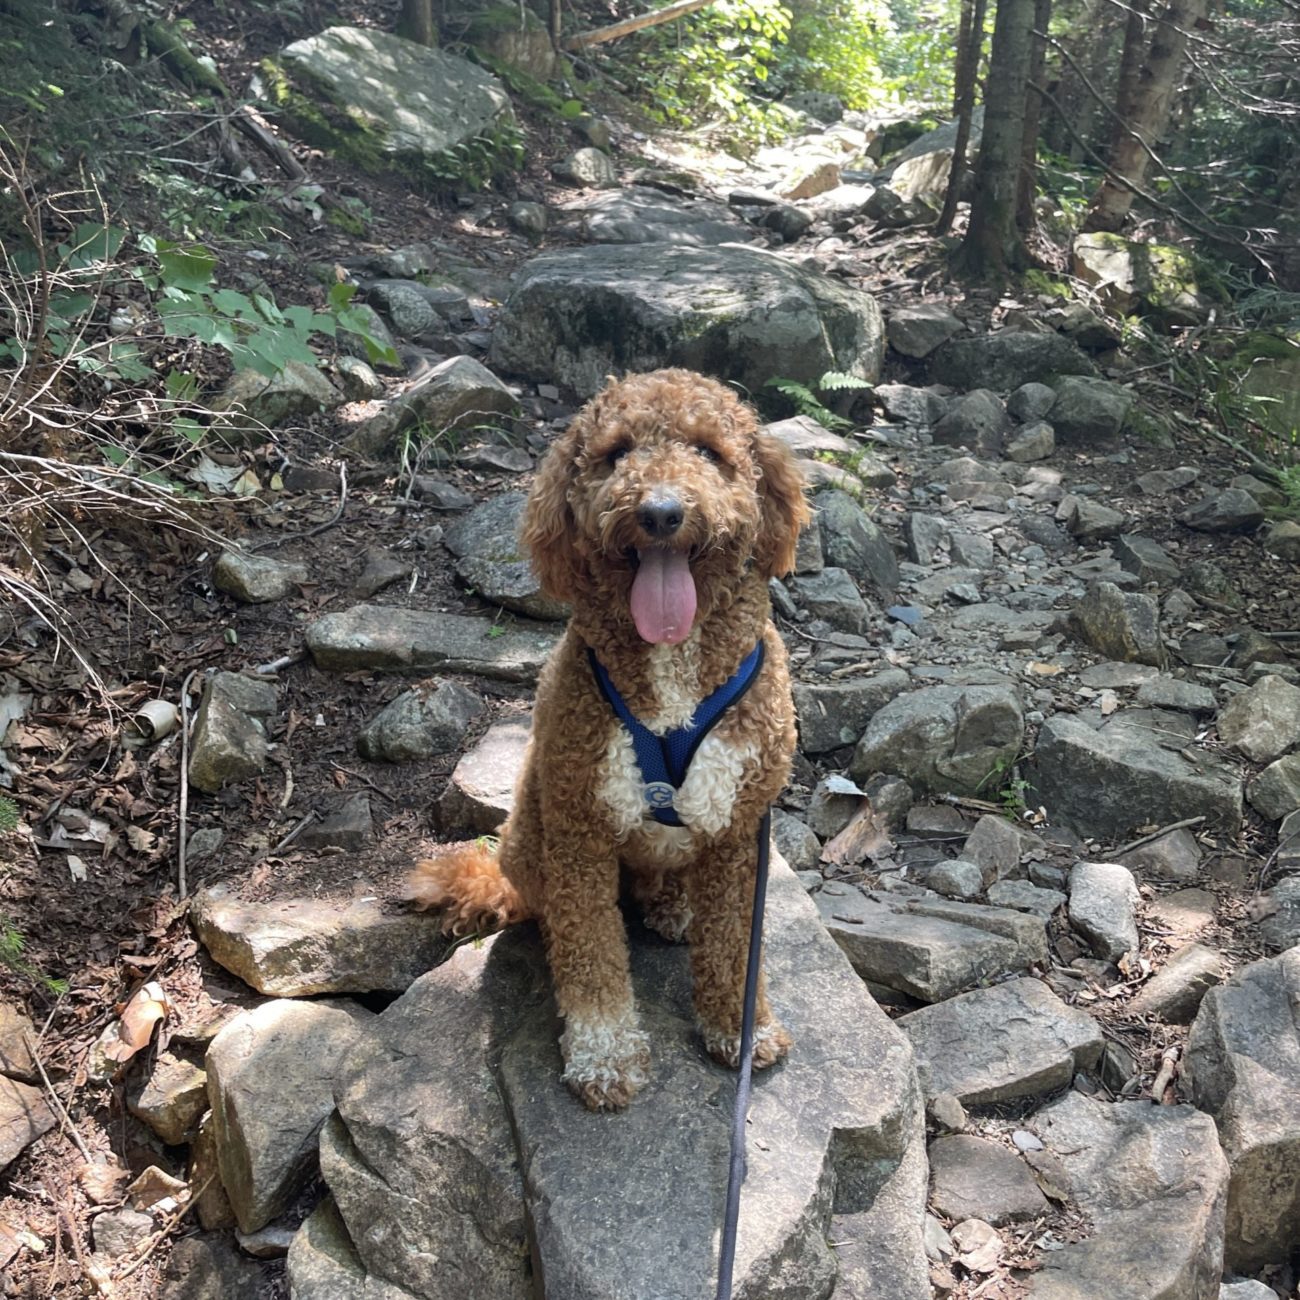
{"points": [[549, 531], [785, 510]]}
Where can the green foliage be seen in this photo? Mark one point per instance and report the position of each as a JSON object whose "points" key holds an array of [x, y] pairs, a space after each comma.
{"points": [[836, 48], [806, 401], [8, 814], [12, 948], [478, 162]]}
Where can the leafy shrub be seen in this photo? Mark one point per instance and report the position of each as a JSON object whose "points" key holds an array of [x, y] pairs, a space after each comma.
{"points": [[836, 48]]}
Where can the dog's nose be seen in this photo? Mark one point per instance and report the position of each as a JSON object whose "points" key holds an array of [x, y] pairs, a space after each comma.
{"points": [[660, 516]]}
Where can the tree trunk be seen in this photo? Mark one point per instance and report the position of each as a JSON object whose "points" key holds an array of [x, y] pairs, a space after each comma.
{"points": [[1130, 64], [1027, 183], [970, 46], [1152, 97], [416, 23], [992, 246]]}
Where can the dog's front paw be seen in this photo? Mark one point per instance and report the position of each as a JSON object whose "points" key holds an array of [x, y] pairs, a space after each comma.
{"points": [[771, 1042], [606, 1062]]}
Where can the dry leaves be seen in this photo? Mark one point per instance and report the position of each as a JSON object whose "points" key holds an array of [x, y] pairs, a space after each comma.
{"points": [[133, 1029]]}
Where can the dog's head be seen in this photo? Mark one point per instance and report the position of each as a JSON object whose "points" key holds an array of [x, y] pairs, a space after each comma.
{"points": [[656, 500]]}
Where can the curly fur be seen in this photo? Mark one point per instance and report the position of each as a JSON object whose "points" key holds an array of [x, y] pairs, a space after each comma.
{"points": [[579, 819]]}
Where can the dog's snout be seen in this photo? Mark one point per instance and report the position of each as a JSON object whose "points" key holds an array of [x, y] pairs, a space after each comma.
{"points": [[660, 515]]}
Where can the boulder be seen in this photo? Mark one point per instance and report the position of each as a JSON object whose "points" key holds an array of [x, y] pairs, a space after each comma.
{"points": [[1146, 560], [173, 1099], [576, 315], [1087, 520], [1006, 360], [256, 579], [1175, 992], [973, 1178], [17, 1033], [1172, 856], [1037, 900], [251, 402], [1233, 510], [24, 1116], [1130, 276], [1275, 792], [852, 540], [917, 331], [795, 841], [1161, 482], [210, 1268], [587, 168], [923, 179], [1030, 402], [956, 878], [1263, 722], [427, 720], [977, 421], [1036, 441], [229, 738], [323, 1263], [1122, 625], [916, 406], [996, 845], [1089, 412], [1283, 540], [1103, 908], [833, 714], [519, 39], [645, 216]]}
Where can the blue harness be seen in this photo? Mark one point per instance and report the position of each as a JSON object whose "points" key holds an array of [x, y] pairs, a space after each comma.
{"points": [[664, 760]]}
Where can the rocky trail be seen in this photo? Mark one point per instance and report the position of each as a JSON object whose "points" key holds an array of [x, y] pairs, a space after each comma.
{"points": [[1035, 922]]}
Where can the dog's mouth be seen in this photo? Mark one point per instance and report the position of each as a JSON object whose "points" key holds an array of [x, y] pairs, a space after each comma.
{"points": [[663, 597]]}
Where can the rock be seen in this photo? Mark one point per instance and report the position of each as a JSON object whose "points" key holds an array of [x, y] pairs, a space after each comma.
{"points": [[1207, 581], [1172, 693], [1085, 327], [173, 1100], [587, 168], [971, 1177], [943, 136], [1174, 993], [495, 459], [1263, 722], [646, 216], [1153, 1183], [212, 1205], [376, 347], [917, 331], [1035, 441], [297, 947], [458, 1088], [817, 104], [1122, 625], [387, 637], [1229, 511], [925, 535], [1288, 843], [955, 878], [1161, 482], [271, 1242], [808, 557], [1024, 897], [806, 438], [996, 845], [1246, 1291], [1089, 520], [928, 948], [271, 1083], [1016, 1039], [528, 218], [977, 421], [833, 596], [119, 1232], [229, 740], [481, 791], [410, 312], [381, 570], [1275, 792], [1103, 902], [24, 1116], [16, 1033], [946, 1113], [1185, 913], [256, 579], [1283, 540], [358, 381], [811, 179], [795, 841], [917, 406], [923, 179], [209, 1268], [1030, 402], [524, 44], [400, 105], [1280, 929], [1131, 276], [250, 402], [1174, 856], [1243, 1057], [576, 315], [834, 714], [440, 494], [1147, 560], [430, 719], [1089, 412], [323, 1263], [1006, 360], [851, 540], [455, 395], [350, 827], [943, 739]]}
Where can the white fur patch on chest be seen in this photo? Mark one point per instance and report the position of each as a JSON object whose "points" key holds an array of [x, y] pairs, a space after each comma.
{"points": [[675, 678]]}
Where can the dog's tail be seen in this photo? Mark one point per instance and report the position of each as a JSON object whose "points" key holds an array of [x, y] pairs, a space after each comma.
{"points": [[464, 882]]}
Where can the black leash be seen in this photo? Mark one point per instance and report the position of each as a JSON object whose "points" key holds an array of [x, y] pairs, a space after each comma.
{"points": [[736, 1172]]}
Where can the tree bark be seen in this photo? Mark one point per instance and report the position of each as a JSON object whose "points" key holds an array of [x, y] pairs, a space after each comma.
{"points": [[1027, 182], [416, 22], [970, 46], [992, 247], [1149, 107]]}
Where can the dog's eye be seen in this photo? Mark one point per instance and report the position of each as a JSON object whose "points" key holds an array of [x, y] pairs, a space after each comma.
{"points": [[613, 457], [708, 453]]}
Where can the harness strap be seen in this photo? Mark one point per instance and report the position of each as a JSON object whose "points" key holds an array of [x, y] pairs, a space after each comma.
{"points": [[664, 760]]}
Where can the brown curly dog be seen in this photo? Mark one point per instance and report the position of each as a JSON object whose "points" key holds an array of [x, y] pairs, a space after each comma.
{"points": [[659, 515]]}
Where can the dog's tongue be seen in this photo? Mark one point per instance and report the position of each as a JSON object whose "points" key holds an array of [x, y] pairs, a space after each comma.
{"points": [[663, 597]]}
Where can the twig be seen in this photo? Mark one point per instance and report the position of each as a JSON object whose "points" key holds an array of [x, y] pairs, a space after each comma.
{"points": [[1273, 857], [284, 661], [288, 839], [165, 1230], [363, 778], [320, 528], [1168, 1068], [182, 885], [65, 1123], [1155, 835]]}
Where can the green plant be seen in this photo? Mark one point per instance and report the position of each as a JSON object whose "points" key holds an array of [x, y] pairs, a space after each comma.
{"points": [[807, 402], [12, 948], [8, 814], [478, 162]]}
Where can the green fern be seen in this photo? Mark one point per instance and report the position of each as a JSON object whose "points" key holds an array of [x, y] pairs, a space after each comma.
{"points": [[836, 381], [805, 399]]}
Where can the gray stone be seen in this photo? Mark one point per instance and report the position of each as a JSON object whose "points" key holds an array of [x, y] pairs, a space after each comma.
{"points": [[973, 1178], [210, 1268], [1173, 693], [1122, 625], [1288, 843], [119, 1232], [973, 551], [928, 948], [832, 595], [256, 579], [923, 179], [835, 713], [297, 947], [495, 459], [271, 1242], [1006, 360], [528, 218], [1280, 928], [430, 719], [1263, 721], [1016, 1039], [943, 739], [1103, 906], [917, 406], [1035, 441], [1175, 992], [358, 381], [1030, 402], [1090, 521], [1147, 560], [24, 1116], [817, 104], [1283, 540], [1173, 856], [997, 845], [323, 1263], [1208, 582], [795, 841], [399, 101], [349, 827], [917, 331], [832, 806], [924, 536], [1250, 1290], [646, 216], [806, 438], [490, 560], [1089, 412], [481, 791], [17, 1033], [376, 346], [1113, 676], [789, 222], [250, 402], [1243, 1057], [440, 494], [576, 315], [808, 556], [229, 740], [173, 1099], [1185, 912], [381, 569], [851, 540], [1025, 897], [1275, 792], [1153, 1183], [1230, 511], [411, 314], [977, 421], [1161, 482], [271, 1084], [454, 1131], [955, 878], [402, 640]]}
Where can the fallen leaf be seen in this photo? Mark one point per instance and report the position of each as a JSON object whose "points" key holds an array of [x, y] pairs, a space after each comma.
{"points": [[140, 839], [148, 1005], [864, 837], [155, 1185], [102, 1183]]}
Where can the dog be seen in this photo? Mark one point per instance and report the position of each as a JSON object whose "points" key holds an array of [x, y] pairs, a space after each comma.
{"points": [[659, 516]]}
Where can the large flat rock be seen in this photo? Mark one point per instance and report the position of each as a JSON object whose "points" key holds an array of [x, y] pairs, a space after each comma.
{"points": [[928, 947], [1153, 1183], [457, 1149], [387, 638], [1016, 1039]]}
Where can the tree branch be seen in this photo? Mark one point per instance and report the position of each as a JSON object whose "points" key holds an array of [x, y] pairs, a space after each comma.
{"points": [[600, 35]]}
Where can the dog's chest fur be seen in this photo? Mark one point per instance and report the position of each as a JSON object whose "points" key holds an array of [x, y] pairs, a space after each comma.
{"points": [[705, 799]]}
